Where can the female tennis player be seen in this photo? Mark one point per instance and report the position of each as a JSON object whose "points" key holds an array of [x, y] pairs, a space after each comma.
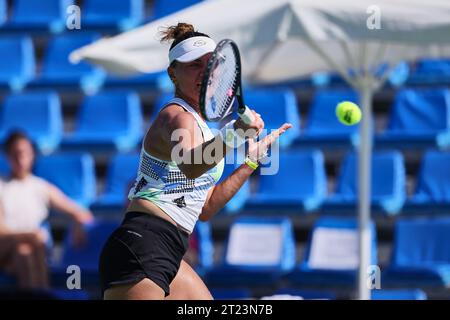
{"points": [[142, 259]]}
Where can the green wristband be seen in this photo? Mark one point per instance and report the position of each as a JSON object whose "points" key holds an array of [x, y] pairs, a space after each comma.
{"points": [[251, 163]]}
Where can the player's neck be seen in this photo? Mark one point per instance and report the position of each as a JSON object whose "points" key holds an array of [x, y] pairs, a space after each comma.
{"points": [[191, 102]]}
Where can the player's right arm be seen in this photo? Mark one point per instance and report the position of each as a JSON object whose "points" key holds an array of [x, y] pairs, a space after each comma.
{"points": [[187, 147], [193, 155]]}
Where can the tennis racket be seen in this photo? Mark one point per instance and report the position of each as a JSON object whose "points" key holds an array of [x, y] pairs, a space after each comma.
{"points": [[221, 85]]}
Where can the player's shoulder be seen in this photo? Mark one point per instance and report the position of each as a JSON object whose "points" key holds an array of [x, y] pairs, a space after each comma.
{"points": [[174, 115]]}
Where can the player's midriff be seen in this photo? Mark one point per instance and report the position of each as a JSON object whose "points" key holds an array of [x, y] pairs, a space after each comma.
{"points": [[145, 206]]}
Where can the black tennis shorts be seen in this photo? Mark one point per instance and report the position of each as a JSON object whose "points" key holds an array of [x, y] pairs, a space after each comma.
{"points": [[144, 246]]}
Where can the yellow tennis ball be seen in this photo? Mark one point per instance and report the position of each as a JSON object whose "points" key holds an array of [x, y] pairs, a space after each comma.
{"points": [[348, 113]]}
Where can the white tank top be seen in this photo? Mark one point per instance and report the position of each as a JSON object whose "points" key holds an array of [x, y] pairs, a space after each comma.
{"points": [[25, 203], [163, 183]]}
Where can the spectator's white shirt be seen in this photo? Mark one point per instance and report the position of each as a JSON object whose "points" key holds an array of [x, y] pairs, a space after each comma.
{"points": [[25, 203]]}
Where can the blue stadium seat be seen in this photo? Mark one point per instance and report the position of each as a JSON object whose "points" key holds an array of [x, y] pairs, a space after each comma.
{"points": [[110, 120], [399, 74], [4, 167], [240, 293], [38, 16], [159, 102], [419, 118], [38, 114], [202, 241], [122, 171], [259, 251], [46, 229], [388, 184], [323, 128], [397, 77], [67, 294], [276, 107], [331, 257], [307, 294], [85, 257], [299, 183], [17, 62], [112, 15], [3, 12], [398, 294], [163, 8], [157, 81], [72, 173], [431, 71], [7, 281], [421, 254], [432, 194], [58, 72]]}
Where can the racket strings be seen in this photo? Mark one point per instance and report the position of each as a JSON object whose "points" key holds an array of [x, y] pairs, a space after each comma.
{"points": [[222, 83]]}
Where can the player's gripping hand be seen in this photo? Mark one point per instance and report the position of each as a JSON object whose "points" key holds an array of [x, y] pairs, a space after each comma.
{"points": [[251, 130]]}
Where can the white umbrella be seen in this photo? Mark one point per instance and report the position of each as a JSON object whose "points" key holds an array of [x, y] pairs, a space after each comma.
{"points": [[285, 39]]}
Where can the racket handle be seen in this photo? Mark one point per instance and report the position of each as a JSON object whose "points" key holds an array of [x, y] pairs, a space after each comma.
{"points": [[246, 115]]}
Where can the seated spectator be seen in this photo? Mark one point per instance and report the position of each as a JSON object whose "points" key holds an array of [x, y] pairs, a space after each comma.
{"points": [[25, 200]]}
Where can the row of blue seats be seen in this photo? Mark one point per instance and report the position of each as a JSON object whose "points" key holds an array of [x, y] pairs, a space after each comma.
{"points": [[110, 120], [296, 181], [54, 16], [298, 293], [18, 65], [298, 184], [425, 71], [262, 251], [113, 119]]}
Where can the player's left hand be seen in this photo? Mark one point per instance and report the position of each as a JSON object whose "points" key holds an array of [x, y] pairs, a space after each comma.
{"points": [[258, 149]]}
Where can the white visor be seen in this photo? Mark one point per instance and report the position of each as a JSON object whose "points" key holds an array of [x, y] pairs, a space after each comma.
{"points": [[191, 49]]}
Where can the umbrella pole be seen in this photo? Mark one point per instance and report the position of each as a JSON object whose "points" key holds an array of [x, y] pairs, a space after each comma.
{"points": [[366, 86], [364, 190]]}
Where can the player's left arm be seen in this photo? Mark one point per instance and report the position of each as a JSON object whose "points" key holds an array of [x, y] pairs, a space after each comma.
{"points": [[220, 194]]}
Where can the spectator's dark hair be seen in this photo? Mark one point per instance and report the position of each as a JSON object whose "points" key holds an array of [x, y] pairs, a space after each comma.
{"points": [[13, 137]]}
